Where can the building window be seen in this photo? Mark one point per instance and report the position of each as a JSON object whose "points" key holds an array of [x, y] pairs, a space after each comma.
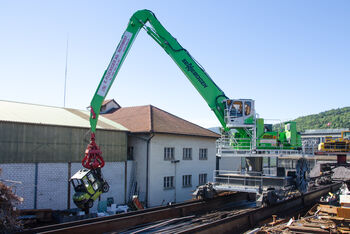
{"points": [[203, 154], [186, 180], [187, 154], [169, 153], [168, 182], [202, 179], [130, 153]]}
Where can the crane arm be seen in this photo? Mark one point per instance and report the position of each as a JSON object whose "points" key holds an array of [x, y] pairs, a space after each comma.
{"points": [[211, 93]]}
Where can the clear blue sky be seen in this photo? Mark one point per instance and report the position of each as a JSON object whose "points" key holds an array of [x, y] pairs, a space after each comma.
{"points": [[292, 57]]}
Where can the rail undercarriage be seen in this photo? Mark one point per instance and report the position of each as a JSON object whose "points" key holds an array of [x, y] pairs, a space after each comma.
{"points": [[263, 173]]}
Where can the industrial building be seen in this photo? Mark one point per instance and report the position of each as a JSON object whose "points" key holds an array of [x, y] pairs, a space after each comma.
{"points": [[148, 152], [313, 137], [42, 146], [172, 156]]}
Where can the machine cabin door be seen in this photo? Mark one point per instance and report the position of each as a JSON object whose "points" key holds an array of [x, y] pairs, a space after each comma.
{"points": [[238, 112]]}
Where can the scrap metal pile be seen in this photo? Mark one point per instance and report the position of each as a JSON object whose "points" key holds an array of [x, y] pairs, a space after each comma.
{"points": [[8, 212], [323, 220], [320, 218]]}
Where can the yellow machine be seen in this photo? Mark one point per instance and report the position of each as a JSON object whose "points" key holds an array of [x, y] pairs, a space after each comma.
{"points": [[341, 144]]}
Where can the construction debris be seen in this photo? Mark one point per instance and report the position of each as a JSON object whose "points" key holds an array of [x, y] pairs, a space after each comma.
{"points": [[339, 173], [320, 218], [8, 211], [206, 191]]}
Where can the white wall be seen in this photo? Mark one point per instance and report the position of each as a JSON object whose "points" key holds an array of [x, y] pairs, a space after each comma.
{"points": [[160, 168], [114, 173], [140, 156], [130, 171], [107, 107]]}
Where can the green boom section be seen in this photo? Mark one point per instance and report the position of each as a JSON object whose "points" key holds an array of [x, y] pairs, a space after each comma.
{"points": [[211, 93]]}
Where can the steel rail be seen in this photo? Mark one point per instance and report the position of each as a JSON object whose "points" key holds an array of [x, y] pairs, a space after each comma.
{"points": [[243, 222], [124, 221], [231, 224]]}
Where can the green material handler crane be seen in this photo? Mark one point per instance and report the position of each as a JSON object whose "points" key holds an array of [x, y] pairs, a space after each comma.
{"points": [[237, 116]]}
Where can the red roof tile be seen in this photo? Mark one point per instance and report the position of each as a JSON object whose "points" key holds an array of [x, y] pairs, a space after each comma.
{"points": [[152, 119]]}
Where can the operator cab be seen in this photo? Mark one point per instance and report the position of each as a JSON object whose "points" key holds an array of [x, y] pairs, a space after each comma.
{"points": [[239, 112], [88, 186]]}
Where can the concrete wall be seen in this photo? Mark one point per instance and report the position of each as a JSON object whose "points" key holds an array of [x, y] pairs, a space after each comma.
{"points": [[52, 183], [52, 186], [24, 173], [159, 168], [29, 143]]}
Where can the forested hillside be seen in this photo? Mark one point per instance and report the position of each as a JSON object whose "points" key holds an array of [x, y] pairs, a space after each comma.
{"points": [[336, 118]]}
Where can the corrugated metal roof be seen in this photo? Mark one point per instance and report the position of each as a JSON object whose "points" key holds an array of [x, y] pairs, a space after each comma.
{"points": [[49, 115]]}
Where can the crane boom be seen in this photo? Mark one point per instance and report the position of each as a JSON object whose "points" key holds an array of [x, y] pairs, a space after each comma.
{"points": [[211, 93], [248, 132]]}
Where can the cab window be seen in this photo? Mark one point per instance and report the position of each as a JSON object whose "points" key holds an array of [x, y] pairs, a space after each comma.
{"points": [[91, 178], [247, 108], [228, 104], [95, 186], [79, 187], [86, 182], [76, 182], [237, 106]]}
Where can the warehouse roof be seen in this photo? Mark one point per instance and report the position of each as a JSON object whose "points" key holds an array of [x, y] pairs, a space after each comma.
{"points": [[148, 118], [48, 115]]}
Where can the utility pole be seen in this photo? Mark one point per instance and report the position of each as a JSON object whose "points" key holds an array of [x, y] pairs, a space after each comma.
{"points": [[65, 74]]}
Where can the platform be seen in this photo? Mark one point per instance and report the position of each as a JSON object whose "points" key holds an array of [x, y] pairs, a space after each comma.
{"points": [[250, 182], [229, 152]]}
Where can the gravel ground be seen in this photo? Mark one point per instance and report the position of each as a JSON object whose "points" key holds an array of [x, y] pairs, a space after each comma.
{"points": [[339, 172]]}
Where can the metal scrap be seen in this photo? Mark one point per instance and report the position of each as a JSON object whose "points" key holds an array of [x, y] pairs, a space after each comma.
{"points": [[8, 211], [321, 218]]}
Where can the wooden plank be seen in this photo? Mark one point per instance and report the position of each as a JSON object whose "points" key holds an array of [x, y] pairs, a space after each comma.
{"points": [[328, 209], [307, 229], [343, 212]]}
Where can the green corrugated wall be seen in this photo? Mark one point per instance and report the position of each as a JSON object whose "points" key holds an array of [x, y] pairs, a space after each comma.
{"points": [[27, 143]]}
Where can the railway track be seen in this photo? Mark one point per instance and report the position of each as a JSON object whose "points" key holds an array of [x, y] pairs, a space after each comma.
{"points": [[216, 215], [248, 220], [124, 221], [181, 224]]}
